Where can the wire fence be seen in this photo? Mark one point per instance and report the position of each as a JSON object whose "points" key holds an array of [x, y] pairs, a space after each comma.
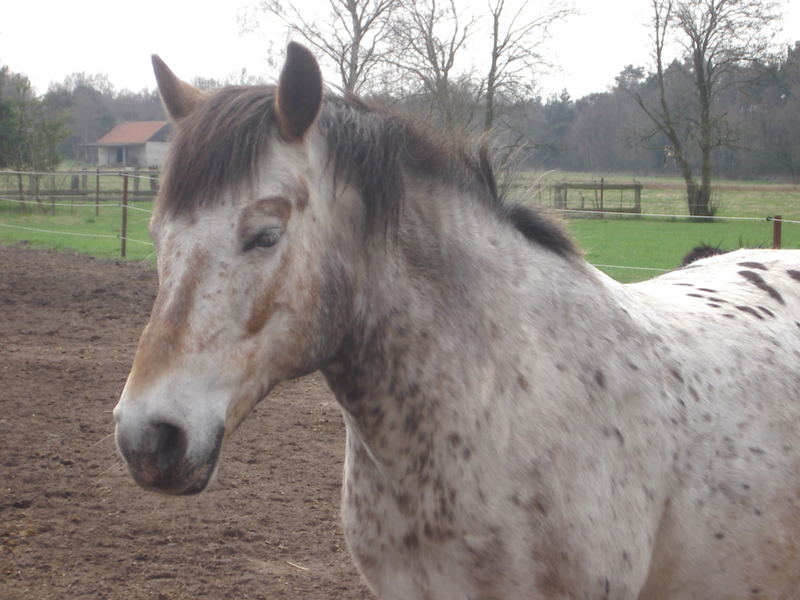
{"points": [[113, 190], [80, 204]]}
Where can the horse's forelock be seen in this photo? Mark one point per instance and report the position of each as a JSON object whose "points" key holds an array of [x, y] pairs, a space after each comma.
{"points": [[217, 147]]}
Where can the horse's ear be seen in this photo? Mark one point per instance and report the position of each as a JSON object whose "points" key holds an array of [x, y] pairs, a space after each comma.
{"points": [[299, 96], [179, 97]]}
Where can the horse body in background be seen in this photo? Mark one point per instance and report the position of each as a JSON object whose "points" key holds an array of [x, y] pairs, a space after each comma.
{"points": [[518, 424]]}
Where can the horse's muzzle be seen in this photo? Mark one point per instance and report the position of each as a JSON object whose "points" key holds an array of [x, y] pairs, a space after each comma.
{"points": [[158, 457]]}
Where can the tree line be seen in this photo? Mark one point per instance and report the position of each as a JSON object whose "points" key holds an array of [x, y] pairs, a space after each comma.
{"points": [[716, 98]]}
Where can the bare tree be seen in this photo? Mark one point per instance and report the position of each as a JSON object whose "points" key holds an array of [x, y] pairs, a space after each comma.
{"points": [[716, 37], [429, 37], [517, 50], [351, 36]]}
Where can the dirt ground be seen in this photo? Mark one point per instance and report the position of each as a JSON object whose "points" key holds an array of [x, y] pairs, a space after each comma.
{"points": [[72, 523]]}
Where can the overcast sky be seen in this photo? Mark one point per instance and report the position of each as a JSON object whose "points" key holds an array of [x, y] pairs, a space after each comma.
{"points": [[47, 40]]}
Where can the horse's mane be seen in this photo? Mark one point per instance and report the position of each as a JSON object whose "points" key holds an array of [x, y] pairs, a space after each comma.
{"points": [[218, 146]]}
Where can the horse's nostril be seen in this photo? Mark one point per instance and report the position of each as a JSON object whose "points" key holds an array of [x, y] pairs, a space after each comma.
{"points": [[170, 445]]}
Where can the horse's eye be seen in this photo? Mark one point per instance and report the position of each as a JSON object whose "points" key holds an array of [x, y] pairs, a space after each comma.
{"points": [[266, 238]]}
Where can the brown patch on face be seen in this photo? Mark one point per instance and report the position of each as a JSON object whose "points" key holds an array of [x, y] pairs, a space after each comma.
{"points": [[301, 194], [163, 339], [267, 300]]}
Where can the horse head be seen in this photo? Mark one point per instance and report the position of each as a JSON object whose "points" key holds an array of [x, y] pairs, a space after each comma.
{"points": [[251, 290]]}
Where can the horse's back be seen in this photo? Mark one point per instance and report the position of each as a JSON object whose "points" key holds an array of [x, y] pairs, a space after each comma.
{"points": [[730, 329]]}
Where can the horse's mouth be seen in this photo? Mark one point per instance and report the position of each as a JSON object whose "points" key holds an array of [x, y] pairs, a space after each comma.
{"points": [[201, 478]]}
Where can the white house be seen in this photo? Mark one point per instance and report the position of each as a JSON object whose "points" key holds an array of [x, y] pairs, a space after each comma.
{"points": [[134, 144]]}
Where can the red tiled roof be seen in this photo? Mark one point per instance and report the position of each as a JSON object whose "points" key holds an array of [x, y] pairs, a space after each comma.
{"points": [[132, 132]]}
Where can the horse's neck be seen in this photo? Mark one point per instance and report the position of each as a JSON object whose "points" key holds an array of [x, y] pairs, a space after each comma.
{"points": [[448, 317]]}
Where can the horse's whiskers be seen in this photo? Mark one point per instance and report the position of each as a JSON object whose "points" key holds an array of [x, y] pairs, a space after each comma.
{"points": [[101, 440]]}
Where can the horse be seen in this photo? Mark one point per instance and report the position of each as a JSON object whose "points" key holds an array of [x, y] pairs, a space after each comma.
{"points": [[518, 424]]}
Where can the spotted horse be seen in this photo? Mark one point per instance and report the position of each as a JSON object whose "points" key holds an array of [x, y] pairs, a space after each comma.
{"points": [[518, 424]]}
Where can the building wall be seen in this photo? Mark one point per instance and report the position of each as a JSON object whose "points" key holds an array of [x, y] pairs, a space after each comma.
{"points": [[151, 154], [137, 156], [102, 156], [155, 154]]}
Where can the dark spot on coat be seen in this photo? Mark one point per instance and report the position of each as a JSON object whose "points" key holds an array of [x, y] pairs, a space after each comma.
{"points": [[759, 282], [676, 374], [619, 435], [750, 311], [411, 540], [403, 502], [454, 439], [600, 378], [766, 311], [793, 274], [538, 504], [756, 450], [523, 383], [753, 265]]}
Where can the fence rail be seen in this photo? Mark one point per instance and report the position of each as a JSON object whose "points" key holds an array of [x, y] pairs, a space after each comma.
{"points": [[112, 188], [116, 188]]}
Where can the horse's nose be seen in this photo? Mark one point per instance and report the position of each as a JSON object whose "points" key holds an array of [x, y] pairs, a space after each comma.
{"points": [[155, 452]]}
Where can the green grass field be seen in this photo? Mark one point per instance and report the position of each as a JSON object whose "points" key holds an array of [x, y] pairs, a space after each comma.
{"points": [[661, 244], [647, 244], [79, 228]]}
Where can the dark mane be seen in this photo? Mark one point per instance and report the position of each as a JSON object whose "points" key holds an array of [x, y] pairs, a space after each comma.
{"points": [[218, 147]]}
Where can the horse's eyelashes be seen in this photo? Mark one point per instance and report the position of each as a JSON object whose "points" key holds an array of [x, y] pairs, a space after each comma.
{"points": [[266, 238]]}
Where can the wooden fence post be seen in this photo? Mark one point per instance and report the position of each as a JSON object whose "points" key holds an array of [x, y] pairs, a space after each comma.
{"points": [[97, 195], [776, 231], [602, 186], [154, 179], [124, 228]]}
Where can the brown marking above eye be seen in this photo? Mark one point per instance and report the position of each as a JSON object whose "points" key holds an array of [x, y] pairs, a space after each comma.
{"points": [[251, 218]]}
